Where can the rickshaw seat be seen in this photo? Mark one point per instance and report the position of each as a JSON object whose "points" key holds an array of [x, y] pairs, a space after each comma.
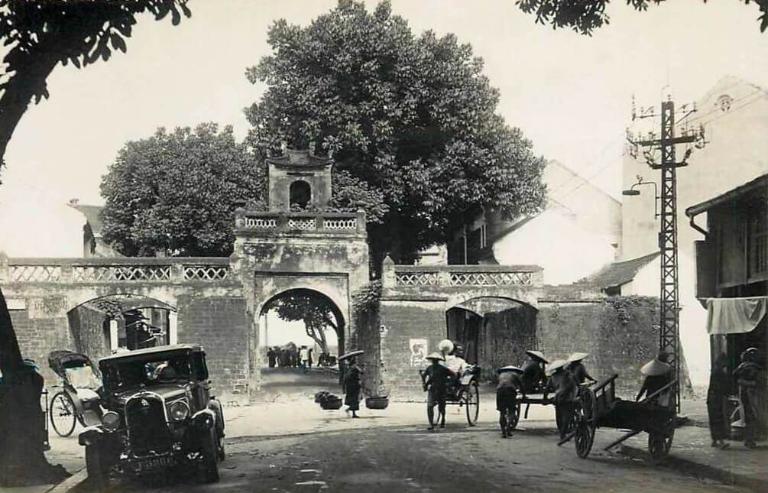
{"points": [[87, 395]]}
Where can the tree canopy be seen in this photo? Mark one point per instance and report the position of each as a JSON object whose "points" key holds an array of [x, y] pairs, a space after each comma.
{"points": [[584, 16], [38, 34], [176, 192], [316, 311], [411, 117]]}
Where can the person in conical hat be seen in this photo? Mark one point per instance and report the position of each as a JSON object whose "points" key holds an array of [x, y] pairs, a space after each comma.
{"points": [[435, 380], [658, 373], [577, 368], [506, 393], [534, 377], [562, 383], [352, 382]]}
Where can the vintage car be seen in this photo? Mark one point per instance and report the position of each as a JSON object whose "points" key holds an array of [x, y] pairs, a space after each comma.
{"points": [[159, 415]]}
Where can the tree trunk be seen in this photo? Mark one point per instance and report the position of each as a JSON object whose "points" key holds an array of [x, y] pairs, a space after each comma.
{"points": [[28, 80], [22, 422]]}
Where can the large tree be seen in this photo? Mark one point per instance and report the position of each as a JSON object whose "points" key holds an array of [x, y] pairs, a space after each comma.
{"points": [[176, 192], [37, 35], [584, 16], [316, 311], [413, 117]]}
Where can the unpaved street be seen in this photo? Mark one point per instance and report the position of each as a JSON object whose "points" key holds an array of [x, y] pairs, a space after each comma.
{"points": [[410, 458]]}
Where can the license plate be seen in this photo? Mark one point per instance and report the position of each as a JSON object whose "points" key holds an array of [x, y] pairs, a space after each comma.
{"points": [[153, 463]]}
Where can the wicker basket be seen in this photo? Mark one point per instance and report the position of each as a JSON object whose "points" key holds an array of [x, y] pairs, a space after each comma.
{"points": [[331, 403], [377, 402]]}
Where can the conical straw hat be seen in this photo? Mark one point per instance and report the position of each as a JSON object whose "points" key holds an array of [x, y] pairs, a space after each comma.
{"points": [[577, 357], [537, 355], [655, 368], [555, 365]]}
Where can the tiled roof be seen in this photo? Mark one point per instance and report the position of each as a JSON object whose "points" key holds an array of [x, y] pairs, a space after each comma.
{"points": [[619, 273]]}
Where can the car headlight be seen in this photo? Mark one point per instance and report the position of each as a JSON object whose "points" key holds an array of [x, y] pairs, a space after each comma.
{"points": [[178, 411], [111, 421]]}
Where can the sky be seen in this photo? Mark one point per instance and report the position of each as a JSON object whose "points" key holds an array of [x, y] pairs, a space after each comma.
{"points": [[570, 94]]}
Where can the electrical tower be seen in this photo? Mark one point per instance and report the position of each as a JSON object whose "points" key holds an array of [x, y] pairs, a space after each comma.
{"points": [[669, 322]]}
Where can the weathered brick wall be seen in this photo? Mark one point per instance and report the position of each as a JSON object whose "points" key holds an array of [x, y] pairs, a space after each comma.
{"points": [[620, 333], [406, 320], [38, 337], [220, 325], [86, 327]]}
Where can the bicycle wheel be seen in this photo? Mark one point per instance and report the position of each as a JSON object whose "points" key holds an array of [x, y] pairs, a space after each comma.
{"points": [[63, 415]]}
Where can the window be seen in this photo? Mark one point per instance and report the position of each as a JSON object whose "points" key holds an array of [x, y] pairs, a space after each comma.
{"points": [[757, 243], [301, 194]]}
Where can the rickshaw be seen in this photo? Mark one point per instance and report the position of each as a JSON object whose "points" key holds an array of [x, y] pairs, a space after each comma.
{"points": [[77, 400], [598, 407], [463, 393]]}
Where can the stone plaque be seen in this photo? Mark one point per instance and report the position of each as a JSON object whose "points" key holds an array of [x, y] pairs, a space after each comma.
{"points": [[53, 307]]}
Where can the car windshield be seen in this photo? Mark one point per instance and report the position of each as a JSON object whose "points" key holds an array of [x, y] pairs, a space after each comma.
{"points": [[147, 372]]}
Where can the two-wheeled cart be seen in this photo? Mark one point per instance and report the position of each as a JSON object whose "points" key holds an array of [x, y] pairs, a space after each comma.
{"points": [[599, 407]]}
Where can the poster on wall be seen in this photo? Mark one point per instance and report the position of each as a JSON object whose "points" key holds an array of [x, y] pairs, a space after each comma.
{"points": [[418, 349]]}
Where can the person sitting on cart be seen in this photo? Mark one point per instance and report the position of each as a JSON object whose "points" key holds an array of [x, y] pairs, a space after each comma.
{"points": [[436, 378], [577, 369], [534, 377], [453, 362], [564, 385], [658, 373], [506, 393]]}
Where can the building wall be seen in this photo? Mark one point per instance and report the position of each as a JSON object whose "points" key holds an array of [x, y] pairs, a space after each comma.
{"points": [[220, 325], [555, 241], [619, 333]]}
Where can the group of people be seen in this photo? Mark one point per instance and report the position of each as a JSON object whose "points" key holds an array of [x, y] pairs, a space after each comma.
{"points": [[289, 356], [749, 378], [561, 378], [441, 377]]}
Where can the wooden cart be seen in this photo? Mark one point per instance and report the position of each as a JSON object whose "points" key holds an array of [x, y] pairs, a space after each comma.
{"points": [[598, 407]]}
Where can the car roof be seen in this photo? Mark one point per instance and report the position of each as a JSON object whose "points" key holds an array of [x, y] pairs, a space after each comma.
{"points": [[139, 353]]}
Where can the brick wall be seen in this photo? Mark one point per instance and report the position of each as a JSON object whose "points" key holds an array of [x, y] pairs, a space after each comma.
{"points": [[38, 337], [620, 333], [220, 325], [406, 320]]}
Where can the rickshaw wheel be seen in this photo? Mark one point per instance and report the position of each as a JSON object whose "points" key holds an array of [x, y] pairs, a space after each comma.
{"points": [[63, 416], [659, 444], [471, 399]]}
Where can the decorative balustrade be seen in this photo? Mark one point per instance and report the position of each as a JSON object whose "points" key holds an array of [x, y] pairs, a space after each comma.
{"points": [[110, 270], [270, 223], [456, 276]]}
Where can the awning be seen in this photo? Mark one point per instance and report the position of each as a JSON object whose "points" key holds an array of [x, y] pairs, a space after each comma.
{"points": [[735, 315]]}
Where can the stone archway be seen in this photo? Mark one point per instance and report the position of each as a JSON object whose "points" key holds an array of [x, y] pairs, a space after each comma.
{"points": [[295, 356], [495, 331], [122, 321]]}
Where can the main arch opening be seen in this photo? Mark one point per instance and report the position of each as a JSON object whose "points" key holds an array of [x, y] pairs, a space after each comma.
{"points": [[121, 322], [300, 338], [493, 331]]}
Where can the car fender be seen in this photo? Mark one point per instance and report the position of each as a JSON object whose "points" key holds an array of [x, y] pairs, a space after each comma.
{"points": [[91, 435], [215, 406], [205, 418]]}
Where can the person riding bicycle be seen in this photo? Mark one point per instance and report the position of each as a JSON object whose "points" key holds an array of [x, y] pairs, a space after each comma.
{"points": [[506, 394], [577, 368], [436, 378]]}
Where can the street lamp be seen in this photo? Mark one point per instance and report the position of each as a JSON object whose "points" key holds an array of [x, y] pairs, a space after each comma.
{"points": [[632, 192]]}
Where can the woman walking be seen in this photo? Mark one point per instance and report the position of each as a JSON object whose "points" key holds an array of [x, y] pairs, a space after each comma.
{"points": [[352, 382], [717, 399]]}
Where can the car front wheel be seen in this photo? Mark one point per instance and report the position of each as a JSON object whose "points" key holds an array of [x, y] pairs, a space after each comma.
{"points": [[209, 465]]}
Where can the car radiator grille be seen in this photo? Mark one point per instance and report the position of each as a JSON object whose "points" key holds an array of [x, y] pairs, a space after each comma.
{"points": [[147, 429]]}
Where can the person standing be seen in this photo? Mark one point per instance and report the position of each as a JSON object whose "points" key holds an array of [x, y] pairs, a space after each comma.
{"points": [[304, 357], [577, 368], [747, 375], [352, 386], [564, 386], [506, 394], [658, 374], [717, 397], [272, 357], [436, 378]]}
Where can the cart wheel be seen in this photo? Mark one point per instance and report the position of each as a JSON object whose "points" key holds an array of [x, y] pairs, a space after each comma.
{"points": [[63, 416], [472, 403], [585, 437], [659, 444]]}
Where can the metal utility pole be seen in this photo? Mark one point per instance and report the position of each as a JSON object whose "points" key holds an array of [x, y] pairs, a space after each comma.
{"points": [[669, 330]]}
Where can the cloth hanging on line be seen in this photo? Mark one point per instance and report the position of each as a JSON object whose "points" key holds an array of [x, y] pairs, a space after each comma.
{"points": [[735, 315]]}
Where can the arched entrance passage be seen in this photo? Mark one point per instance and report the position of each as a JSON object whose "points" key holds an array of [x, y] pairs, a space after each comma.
{"points": [[300, 338], [103, 325], [494, 331]]}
